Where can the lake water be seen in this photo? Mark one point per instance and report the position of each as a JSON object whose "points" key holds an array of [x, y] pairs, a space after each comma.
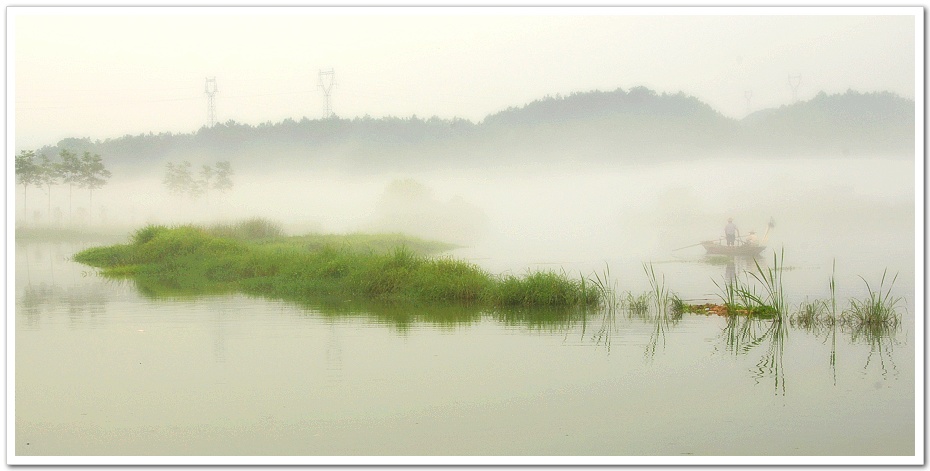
{"points": [[104, 370]]}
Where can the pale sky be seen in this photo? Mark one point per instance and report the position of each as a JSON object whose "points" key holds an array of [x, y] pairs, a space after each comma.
{"points": [[106, 72]]}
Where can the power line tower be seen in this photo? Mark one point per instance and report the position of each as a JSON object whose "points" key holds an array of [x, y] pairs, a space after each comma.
{"points": [[210, 89], [794, 82], [748, 96], [327, 81]]}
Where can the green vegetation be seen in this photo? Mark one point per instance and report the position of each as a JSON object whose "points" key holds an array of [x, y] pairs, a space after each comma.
{"points": [[254, 258], [87, 172], [872, 317], [743, 296], [877, 310]]}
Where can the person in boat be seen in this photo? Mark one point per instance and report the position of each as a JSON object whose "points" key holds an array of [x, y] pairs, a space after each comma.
{"points": [[731, 231], [752, 239]]}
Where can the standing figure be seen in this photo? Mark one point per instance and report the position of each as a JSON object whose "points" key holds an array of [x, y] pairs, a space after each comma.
{"points": [[731, 231]]}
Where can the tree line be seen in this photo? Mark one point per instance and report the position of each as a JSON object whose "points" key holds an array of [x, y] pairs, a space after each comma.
{"points": [[85, 172], [638, 125], [88, 172], [180, 180]]}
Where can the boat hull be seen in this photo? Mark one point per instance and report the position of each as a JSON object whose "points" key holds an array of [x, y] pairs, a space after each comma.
{"points": [[714, 248]]}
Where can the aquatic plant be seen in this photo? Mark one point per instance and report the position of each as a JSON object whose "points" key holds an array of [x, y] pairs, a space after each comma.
{"points": [[810, 315], [544, 288], [878, 310], [146, 233], [771, 280], [679, 306], [660, 294], [764, 298], [250, 229], [637, 306], [190, 259], [610, 304]]}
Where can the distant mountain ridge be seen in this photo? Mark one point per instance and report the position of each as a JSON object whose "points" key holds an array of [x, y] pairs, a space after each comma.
{"points": [[617, 126]]}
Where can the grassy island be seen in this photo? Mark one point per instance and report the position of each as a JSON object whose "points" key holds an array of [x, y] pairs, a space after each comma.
{"points": [[255, 258]]}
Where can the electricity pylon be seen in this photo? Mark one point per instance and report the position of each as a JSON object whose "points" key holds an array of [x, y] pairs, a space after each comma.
{"points": [[327, 81], [210, 89]]}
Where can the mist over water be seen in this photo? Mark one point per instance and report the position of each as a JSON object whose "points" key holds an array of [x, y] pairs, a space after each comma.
{"points": [[393, 390], [572, 217]]}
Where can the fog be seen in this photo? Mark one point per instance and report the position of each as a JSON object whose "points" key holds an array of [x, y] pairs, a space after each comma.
{"points": [[565, 217]]}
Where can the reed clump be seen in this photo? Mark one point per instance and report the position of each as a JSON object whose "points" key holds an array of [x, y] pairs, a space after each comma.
{"points": [[250, 229], [188, 259], [877, 311], [759, 295]]}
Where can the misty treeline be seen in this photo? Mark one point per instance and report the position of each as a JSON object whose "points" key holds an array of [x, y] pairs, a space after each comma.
{"points": [[85, 172], [88, 172], [596, 126], [181, 180]]}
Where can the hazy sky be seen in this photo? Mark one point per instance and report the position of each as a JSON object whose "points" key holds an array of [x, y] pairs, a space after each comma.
{"points": [[106, 72]]}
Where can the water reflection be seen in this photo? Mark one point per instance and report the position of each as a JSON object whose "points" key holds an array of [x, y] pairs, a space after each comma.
{"points": [[50, 283], [744, 334], [733, 266], [824, 324], [42, 292]]}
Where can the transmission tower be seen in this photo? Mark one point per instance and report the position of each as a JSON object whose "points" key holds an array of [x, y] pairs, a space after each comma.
{"points": [[794, 82], [210, 89], [327, 81], [748, 95]]}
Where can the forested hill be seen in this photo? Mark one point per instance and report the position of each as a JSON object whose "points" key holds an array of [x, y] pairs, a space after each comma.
{"points": [[635, 126]]}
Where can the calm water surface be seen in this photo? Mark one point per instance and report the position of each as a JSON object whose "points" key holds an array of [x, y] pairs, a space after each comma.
{"points": [[101, 369]]}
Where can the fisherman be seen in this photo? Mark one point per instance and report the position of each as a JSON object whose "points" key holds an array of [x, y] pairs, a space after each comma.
{"points": [[731, 231], [752, 239]]}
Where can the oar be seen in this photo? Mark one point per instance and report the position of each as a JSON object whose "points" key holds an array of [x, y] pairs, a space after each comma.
{"points": [[687, 246], [692, 245]]}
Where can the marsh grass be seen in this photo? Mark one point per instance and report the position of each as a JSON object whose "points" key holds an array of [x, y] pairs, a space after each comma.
{"points": [[878, 310], [757, 316], [610, 304], [637, 306], [659, 293], [811, 315], [250, 229], [191, 259], [771, 280], [759, 294]]}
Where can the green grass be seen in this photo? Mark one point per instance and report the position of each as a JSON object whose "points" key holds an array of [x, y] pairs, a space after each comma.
{"points": [[256, 259], [250, 229], [876, 312], [637, 306], [760, 294]]}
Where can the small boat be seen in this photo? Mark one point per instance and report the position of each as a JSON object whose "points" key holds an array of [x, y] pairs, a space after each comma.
{"points": [[741, 250]]}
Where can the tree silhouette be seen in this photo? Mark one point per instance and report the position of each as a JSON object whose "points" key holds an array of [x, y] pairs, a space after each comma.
{"points": [[206, 175], [27, 172], [179, 180], [48, 176], [70, 171], [224, 175], [93, 175]]}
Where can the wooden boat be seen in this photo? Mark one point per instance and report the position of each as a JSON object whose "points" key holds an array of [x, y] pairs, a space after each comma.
{"points": [[741, 250]]}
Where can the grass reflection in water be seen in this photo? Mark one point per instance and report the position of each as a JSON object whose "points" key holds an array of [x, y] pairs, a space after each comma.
{"points": [[369, 276]]}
